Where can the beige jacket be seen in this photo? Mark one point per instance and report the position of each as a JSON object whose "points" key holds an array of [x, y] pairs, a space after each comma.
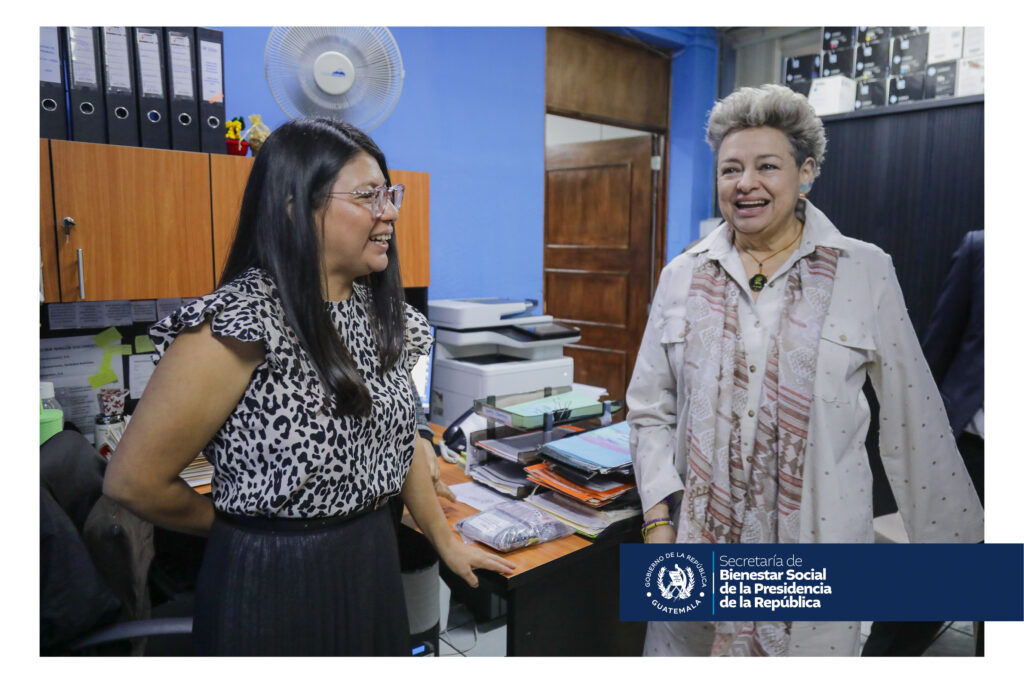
{"points": [[867, 333]]}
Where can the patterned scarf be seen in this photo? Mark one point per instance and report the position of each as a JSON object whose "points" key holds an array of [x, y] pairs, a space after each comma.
{"points": [[727, 500]]}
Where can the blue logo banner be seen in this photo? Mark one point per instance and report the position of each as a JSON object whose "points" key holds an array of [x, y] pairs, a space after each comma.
{"points": [[822, 582]]}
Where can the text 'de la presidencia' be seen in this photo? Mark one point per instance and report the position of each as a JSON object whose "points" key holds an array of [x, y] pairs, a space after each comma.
{"points": [[821, 582]]}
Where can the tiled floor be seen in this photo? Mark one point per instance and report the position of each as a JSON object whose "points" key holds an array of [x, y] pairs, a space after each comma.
{"points": [[465, 638]]}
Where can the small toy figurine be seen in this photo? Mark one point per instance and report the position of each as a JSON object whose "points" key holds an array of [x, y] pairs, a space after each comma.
{"points": [[257, 133], [236, 145]]}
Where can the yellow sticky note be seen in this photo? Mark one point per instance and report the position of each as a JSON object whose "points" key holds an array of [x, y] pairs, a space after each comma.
{"points": [[143, 344], [105, 376], [120, 349], [107, 337]]}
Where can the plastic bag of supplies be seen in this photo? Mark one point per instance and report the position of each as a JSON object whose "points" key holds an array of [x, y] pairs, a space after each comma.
{"points": [[512, 525]]}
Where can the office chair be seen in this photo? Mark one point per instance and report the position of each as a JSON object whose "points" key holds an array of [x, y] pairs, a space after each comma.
{"points": [[94, 563]]}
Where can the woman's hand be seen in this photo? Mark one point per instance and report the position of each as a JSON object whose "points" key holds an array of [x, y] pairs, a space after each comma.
{"points": [[462, 559]]}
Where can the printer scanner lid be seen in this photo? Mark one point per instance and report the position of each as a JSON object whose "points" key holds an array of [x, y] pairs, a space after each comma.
{"points": [[467, 314]]}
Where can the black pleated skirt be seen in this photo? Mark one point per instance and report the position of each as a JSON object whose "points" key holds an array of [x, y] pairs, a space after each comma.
{"points": [[329, 591]]}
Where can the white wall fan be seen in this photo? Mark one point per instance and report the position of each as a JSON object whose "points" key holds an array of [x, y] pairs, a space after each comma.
{"points": [[349, 73]]}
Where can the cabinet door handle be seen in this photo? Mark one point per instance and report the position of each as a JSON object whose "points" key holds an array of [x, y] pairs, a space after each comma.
{"points": [[81, 276]]}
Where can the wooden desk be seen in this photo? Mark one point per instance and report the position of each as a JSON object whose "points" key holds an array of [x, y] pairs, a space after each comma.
{"points": [[563, 598]]}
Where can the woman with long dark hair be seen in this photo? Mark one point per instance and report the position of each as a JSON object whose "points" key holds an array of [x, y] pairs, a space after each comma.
{"points": [[293, 379]]}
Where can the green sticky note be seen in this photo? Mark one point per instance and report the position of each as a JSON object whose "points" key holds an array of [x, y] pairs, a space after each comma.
{"points": [[143, 344], [107, 337], [105, 376], [120, 349]]}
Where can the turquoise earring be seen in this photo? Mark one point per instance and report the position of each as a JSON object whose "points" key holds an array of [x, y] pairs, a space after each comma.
{"points": [[805, 188]]}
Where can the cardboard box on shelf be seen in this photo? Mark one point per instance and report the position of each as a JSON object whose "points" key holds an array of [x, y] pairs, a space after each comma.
{"points": [[974, 42], [871, 94], [970, 77], [906, 88], [940, 80], [838, 37], [909, 54], [832, 95], [870, 35], [945, 43], [802, 87], [838, 63], [803, 68], [872, 60]]}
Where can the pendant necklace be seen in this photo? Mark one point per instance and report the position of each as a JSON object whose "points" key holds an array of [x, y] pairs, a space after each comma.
{"points": [[758, 281]]}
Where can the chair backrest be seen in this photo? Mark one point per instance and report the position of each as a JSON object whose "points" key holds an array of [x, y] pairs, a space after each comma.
{"points": [[72, 471], [73, 597], [108, 548]]}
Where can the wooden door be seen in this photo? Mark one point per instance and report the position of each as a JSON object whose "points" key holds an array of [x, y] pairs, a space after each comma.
{"points": [[597, 253], [142, 221]]}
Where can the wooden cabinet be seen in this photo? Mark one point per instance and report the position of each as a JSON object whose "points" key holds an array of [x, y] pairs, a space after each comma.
{"points": [[413, 227], [141, 222], [47, 232], [152, 223], [229, 175]]}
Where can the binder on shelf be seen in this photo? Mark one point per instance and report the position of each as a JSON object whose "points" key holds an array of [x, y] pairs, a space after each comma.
{"points": [[148, 57], [119, 87], [88, 117], [53, 109], [209, 56], [182, 94]]}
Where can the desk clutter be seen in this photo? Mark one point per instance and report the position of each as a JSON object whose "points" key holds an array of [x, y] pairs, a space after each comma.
{"points": [[572, 477], [91, 377]]}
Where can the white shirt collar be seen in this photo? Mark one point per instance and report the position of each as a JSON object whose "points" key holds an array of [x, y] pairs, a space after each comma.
{"points": [[818, 231]]}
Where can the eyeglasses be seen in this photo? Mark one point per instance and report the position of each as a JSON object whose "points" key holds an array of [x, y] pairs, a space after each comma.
{"points": [[379, 197]]}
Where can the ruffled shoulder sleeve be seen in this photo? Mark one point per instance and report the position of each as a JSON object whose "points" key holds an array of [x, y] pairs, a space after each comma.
{"points": [[418, 339], [246, 308]]}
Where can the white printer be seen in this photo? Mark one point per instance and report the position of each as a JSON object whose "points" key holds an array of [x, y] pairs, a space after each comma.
{"points": [[492, 347]]}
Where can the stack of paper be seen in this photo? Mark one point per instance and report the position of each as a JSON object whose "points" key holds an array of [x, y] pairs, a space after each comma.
{"points": [[596, 491], [603, 450], [199, 472], [585, 520], [503, 476], [522, 448]]}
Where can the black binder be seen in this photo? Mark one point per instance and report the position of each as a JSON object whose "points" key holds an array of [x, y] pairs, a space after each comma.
{"points": [[148, 56], [182, 94], [53, 108], [85, 84], [119, 87], [210, 77]]}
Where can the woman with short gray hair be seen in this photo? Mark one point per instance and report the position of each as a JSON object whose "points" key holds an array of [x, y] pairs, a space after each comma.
{"points": [[746, 405]]}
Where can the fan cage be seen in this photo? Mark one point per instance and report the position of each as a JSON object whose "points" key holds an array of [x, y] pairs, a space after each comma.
{"points": [[292, 51]]}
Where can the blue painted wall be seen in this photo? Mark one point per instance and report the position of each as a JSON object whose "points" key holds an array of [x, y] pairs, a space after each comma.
{"points": [[471, 114], [691, 169]]}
